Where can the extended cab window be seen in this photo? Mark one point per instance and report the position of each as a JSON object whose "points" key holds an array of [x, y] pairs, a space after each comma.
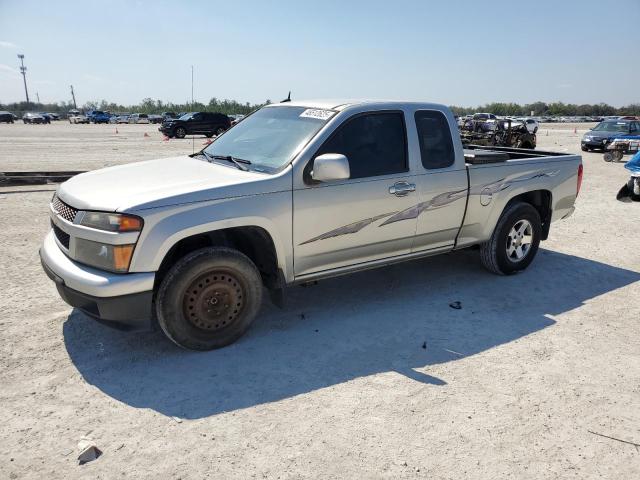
{"points": [[374, 143], [434, 136]]}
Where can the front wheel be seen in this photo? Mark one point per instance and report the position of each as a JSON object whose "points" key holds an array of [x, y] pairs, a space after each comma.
{"points": [[515, 240], [181, 132], [209, 298]]}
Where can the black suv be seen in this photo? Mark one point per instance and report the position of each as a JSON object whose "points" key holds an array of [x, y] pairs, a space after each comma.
{"points": [[203, 123]]}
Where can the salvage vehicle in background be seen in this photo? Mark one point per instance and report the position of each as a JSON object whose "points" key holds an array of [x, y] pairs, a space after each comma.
{"points": [[6, 117], [501, 133], [75, 116], [196, 123], [605, 132], [34, 118], [296, 192], [155, 118]]}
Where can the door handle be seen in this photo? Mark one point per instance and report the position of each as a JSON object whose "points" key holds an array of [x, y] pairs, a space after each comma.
{"points": [[400, 189]]}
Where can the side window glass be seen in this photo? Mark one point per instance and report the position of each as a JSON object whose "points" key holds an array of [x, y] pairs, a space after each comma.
{"points": [[434, 136], [374, 143]]}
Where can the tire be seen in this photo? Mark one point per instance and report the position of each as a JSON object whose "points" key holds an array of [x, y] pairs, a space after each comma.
{"points": [[220, 131], [181, 132], [190, 301], [208, 135], [617, 155], [494, 253], [584, 149], [608, 157]]}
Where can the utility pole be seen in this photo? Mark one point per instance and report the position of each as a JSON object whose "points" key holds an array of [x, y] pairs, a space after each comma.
{"points": [[38, 97], [73, 95], [23, 70], [191, 87]]}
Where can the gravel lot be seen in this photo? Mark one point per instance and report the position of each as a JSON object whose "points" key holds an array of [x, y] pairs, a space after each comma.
{"points": [[338, 384]]}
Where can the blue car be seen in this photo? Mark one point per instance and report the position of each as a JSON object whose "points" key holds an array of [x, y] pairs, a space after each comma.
{"points": [[98, 116], [603, 133]]}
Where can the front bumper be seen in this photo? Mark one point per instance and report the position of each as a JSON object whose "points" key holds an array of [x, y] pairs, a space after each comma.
{"points": [[594, 144], [123, 300]]}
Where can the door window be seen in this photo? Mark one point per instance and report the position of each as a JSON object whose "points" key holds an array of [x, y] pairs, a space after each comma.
{"points": [[434, 136], [374, 143]]}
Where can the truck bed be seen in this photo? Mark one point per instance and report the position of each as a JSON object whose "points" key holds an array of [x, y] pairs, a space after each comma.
{"points": [[478, 155]]}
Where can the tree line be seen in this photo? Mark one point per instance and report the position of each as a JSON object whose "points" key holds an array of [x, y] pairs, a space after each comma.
{"points": [[542, 109], [149, 105]]}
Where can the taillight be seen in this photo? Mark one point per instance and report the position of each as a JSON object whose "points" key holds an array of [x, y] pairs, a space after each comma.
{"points": [[579, 179]]}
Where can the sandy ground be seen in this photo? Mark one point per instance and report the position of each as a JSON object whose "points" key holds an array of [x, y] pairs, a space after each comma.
{"points": [[338, 384]]}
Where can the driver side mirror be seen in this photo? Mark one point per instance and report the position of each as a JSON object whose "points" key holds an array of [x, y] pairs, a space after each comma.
{"points": [[330, 166]]}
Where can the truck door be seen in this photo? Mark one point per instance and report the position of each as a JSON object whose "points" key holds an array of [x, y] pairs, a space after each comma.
{"points": [[442, 184], [346, 222]]}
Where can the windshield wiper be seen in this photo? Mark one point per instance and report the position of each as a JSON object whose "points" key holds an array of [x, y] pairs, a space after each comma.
{"points": [[238, 162]]}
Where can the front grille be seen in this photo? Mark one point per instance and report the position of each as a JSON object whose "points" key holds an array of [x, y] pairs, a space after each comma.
{"points": [[63, 237], [65, 211]]}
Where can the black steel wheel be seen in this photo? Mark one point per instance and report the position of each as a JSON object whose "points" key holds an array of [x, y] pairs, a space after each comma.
{"points": [[209, 298]]}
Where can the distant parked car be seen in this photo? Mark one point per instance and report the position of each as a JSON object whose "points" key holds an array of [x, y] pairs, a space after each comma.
{"points": [[6, 117], [605, 132], [203, 123], [156, 118], [54, 116], [33, 118], [484, 116], [170, 115], [531, 124], [138, 118], [75, 116], [236, 118], [98, 116], [47, 117]]}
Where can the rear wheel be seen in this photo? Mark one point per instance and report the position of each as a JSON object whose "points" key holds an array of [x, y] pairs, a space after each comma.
{"points": [[181, 132], [608, 157], [515, 240], [209, 298], [219, 131]]}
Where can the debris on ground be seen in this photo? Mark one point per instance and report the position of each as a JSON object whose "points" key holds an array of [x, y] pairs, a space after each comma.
{"points": [[88, 451], [456, 305]]}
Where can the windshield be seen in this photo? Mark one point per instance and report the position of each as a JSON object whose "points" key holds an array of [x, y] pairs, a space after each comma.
{"points": [[271, 137], [612, 127], [186, 116]]}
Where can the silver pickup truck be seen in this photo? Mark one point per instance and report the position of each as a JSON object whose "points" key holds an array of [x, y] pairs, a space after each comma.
{"points": [[295, 192]]}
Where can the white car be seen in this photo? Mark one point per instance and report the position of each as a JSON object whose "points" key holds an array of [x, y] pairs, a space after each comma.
{"points": [[75, 116], [138, 118]]}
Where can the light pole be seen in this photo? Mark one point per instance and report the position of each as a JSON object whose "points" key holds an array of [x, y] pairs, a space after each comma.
{"points": [[23, 71]]}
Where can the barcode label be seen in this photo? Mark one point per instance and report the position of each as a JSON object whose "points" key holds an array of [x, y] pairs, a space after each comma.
{"points": [[317, 114]]}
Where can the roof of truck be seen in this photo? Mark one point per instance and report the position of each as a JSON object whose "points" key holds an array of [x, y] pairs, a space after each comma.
{"points": [[341, 104]]}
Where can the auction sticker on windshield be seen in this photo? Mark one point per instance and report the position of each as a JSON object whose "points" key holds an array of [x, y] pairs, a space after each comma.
{"points": [[317, 114]]}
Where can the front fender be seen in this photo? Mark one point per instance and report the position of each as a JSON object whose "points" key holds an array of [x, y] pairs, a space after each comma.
{"points": [[166, 226]]}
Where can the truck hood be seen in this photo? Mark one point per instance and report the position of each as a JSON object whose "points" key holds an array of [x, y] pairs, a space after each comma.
{"points": [[158, 183]]}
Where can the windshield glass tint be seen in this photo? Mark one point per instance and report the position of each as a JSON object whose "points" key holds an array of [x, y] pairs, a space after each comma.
{"points": [[612, 127], [271, 137], [186, 116]]}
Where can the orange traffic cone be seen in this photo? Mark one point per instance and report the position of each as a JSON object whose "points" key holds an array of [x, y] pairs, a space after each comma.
{"points": [[207, 141], [165, 139], [146, 135]]}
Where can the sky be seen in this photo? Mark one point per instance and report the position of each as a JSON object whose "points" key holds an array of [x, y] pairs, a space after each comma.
{"points": [[461, 52]]}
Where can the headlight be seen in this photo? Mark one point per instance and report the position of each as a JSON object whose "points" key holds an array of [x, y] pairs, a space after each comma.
{"points": [[114, 258], [587, 138], [111, 222]]}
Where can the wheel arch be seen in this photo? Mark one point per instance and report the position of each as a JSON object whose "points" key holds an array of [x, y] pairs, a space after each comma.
{"points": [[252, 240], [541, 200]]}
